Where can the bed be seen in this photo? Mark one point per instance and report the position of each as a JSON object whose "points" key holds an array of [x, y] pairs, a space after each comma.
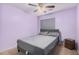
{"points": [[40, 44]]}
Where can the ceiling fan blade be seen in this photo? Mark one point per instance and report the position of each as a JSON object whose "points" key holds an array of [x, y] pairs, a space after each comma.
{"points": [[36, 10], [32, 4], [52, 6]]}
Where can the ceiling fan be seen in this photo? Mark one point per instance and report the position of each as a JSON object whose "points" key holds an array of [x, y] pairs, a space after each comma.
{"points": [[42, 7]]}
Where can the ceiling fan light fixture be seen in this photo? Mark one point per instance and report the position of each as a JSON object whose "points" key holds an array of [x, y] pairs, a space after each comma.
{"points": [[41, 8]]}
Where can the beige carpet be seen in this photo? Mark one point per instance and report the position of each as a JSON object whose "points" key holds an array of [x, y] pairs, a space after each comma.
{"points": [[58, 50]]}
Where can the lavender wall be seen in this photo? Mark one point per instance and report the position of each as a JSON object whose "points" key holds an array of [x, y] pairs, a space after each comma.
{"points": [[15, 24], [78, 27], [0, 24], [65, 21]]}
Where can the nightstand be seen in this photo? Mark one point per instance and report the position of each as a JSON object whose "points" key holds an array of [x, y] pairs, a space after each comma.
{"points": [[69, 43]]}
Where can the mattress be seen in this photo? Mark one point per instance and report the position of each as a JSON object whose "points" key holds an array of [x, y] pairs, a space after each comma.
{"points": [[38, 44], [40, 41]]}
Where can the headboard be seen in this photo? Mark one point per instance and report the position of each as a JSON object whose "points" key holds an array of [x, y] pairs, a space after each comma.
{"points": [[47, 24]]}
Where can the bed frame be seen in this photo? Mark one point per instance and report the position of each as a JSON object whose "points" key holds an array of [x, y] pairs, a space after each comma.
{"points": [[32, 50]]}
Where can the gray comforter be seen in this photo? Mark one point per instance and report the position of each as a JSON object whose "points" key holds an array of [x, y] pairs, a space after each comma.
{"points": [[37, 45]]}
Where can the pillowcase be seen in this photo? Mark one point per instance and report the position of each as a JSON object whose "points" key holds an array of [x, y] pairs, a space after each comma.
{"points": [[44, 33], [53, 34]]}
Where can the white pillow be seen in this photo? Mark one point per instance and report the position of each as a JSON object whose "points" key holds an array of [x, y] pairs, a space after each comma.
{"points": [[53, 34], [44, 33]]}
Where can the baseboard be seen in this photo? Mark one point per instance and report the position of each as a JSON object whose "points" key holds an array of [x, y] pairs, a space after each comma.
{"points": [[11, 51], [78, 51]]}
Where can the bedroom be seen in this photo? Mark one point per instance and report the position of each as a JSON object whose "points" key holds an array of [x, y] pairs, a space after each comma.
{"points": [[20, 20]]}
